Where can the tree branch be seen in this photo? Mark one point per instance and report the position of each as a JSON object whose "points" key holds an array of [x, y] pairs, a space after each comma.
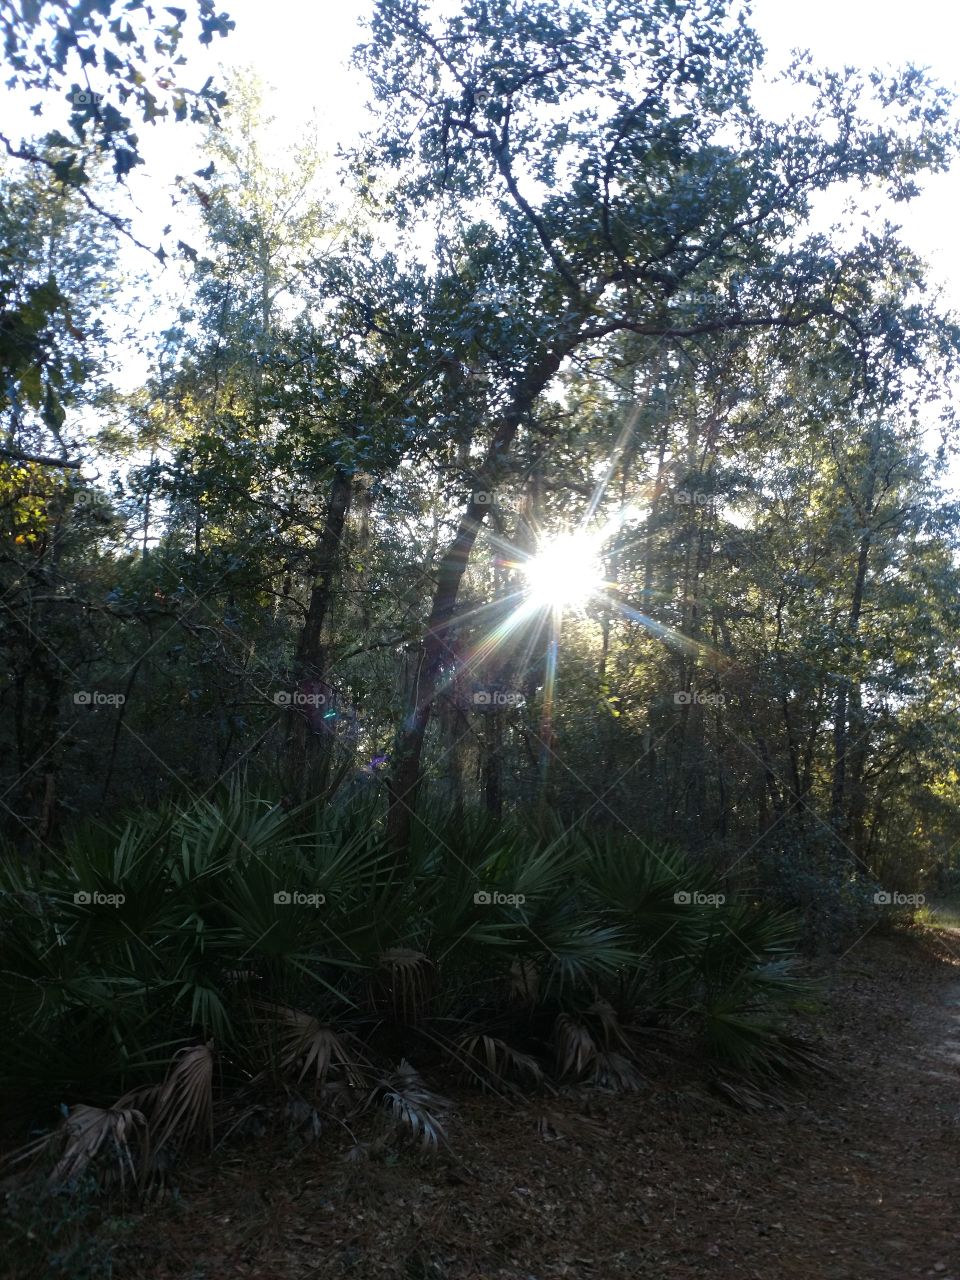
{"points": [[40, 459]]}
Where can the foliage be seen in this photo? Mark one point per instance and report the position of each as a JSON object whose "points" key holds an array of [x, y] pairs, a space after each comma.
{"points": [[60, 1233], [305, 798], [285, 943], [119, 49]]}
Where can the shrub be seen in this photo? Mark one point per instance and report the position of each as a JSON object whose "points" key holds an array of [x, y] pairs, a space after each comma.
{"points": [[230, 936]]}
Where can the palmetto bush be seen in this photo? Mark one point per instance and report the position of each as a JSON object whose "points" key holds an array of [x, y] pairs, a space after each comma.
{"points": [[258, 948]]}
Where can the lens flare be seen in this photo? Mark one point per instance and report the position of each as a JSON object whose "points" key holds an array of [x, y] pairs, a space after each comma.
{"points": [[565, 572]]}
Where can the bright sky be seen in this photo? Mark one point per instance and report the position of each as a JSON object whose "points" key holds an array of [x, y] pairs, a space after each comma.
{"points": [[302, 48]]}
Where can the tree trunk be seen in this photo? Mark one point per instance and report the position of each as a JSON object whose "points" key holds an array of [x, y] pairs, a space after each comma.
{"points": [[404, 781], [864, 501], [308, 752], [493, 764], [840, 736]]}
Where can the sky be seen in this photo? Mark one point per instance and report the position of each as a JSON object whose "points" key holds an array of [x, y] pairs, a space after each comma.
{"points": [[301, 49]]}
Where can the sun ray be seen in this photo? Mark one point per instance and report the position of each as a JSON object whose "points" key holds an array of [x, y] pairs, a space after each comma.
{"points": [[618, 452], [565, 573]]}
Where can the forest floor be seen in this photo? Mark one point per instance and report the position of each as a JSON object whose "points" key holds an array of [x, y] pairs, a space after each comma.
{"points": [[856, 1178]]}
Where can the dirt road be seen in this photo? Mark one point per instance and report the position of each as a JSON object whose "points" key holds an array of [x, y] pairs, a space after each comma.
{"points": [[859, 1179]]}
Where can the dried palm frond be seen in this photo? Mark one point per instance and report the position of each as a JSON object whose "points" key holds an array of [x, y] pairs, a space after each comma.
{"points": [[185, 1103], [616, 1071], [310, 1045], [746, 1096], [493, 1059], [92, 1128], [86, 1133], [144, 1098], [412, 1105], [404, 981], [603, 1014], [574, 1046], [556, 1125]]}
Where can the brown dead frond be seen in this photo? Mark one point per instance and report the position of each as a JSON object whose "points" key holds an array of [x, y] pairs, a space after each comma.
{"points": [[90, 1129], [86, 1134], [310, 1047], [412, 1105], [492, 1059], [746, 1095], [574, 1046], [616, 1071], [603, 1016], [185, 1102], [403, 982], [557, 1125]]}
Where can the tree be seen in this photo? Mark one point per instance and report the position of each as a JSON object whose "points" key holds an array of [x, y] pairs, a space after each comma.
{"points": [[45, 44], [616, 162]]}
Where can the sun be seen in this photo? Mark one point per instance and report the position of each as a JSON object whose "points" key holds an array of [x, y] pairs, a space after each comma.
{"points": [[565, 572]]}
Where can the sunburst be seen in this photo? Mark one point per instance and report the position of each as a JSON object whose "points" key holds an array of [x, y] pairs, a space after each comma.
{"points": [[565, 572]]}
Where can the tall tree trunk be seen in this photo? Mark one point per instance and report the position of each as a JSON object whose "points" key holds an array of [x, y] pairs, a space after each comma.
{"points": [[864, 502], [308, 751], [493, 763], [838, 795], [856, 792], [455, 727], [404, 781]]}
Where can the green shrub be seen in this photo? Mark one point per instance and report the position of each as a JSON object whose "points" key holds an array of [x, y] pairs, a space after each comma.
{"points": [[177, 944]]}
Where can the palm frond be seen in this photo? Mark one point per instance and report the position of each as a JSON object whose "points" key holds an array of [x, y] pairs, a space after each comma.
{"points": [[404, 981], [758, 1048], [574, 1046], [87, 1133], [617, 1072], [490, 1059], [185, 1101], [309, 1046], [412, 1105]]}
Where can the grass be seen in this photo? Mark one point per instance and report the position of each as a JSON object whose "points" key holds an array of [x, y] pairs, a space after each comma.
{"points": [[941, 913]]}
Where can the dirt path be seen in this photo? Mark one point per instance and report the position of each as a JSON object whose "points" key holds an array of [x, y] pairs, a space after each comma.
{"points": [[858, 1181]]}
